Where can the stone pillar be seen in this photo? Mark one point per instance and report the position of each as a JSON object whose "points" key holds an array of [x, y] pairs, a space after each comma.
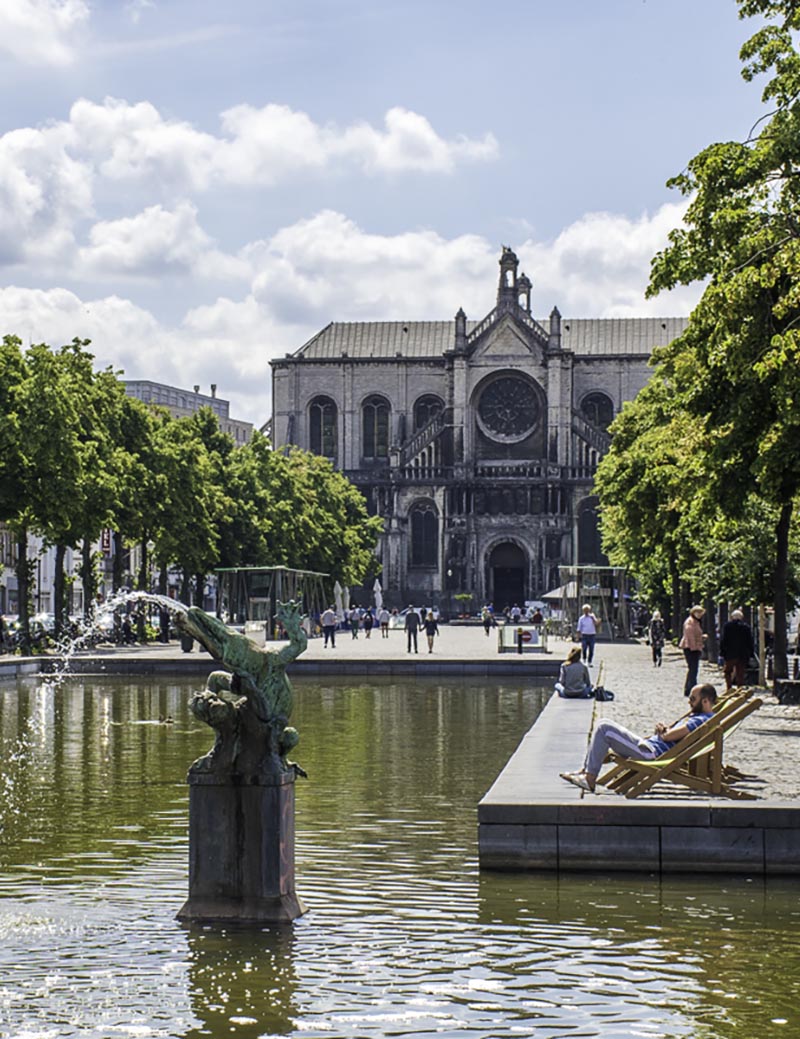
{"points": [[241, 849]]}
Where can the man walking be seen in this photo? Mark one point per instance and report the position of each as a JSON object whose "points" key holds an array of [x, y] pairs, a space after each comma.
{"points": [[412, 628], [328, 621], [587, 629], [736, 648]]}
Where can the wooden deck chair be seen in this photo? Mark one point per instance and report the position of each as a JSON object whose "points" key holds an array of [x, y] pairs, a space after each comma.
{"points": [[701, 765], [634, 776]]}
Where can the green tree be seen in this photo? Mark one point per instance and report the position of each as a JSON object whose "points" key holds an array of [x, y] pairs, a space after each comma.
{"points": [[742, 232]]}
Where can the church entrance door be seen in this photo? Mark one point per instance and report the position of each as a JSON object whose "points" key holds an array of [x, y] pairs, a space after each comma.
{"points": [[507, 565]]}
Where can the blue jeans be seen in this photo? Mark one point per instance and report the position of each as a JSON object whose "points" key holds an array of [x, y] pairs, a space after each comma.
{"points": [[587, 647], [585, 694]]}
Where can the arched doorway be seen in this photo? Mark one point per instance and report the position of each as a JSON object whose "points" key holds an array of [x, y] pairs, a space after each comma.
{"points": [[507, 566]]}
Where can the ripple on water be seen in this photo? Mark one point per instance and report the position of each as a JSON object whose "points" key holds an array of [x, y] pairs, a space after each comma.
{"points": [[405, 937]]}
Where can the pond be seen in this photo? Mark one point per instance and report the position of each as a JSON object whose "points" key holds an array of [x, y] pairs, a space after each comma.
{"points": [[404, 936]]}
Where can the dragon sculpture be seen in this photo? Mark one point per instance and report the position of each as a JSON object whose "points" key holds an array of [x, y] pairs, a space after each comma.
{"points": [[248, 705]]}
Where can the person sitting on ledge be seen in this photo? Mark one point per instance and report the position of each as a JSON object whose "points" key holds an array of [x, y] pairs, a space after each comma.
{"points": [[612, 736], [574, 681]]}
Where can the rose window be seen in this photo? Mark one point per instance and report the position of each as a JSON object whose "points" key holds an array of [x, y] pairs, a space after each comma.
{"points": [[508, 409]]}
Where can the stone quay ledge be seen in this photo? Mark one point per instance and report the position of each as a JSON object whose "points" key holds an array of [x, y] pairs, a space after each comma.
{"points": [[531, 819]]}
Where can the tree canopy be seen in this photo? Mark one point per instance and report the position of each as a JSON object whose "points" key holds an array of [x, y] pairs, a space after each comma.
{"points": [[728, 396], [77, 456]]}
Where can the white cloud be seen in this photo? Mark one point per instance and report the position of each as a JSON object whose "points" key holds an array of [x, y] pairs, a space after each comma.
{"points": [[41, 31], [43, 191], [151, 242], [136, 8], [327, 268], [599, 266], [258, 146]]}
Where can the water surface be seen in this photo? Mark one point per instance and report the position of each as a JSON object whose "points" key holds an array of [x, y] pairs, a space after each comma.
{"points": [[404, 937]]}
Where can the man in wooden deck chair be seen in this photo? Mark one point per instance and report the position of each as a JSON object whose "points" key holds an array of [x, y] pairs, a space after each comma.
{"points": [[626, 744]]}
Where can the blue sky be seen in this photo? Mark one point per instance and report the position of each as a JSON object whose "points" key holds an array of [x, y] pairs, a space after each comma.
{"points": [[199, 187]]}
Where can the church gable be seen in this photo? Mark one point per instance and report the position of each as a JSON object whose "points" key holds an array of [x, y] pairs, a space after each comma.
{"points": [[507, 341]]}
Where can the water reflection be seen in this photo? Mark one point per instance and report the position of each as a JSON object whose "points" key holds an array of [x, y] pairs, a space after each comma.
{"points": [[235, 974], [404, 936]]}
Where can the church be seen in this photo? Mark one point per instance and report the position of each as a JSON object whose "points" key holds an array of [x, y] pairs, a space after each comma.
{"points": [[475, 441]]}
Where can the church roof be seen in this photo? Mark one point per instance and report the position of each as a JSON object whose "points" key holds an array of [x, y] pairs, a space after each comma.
{"points": [[430, 339]]}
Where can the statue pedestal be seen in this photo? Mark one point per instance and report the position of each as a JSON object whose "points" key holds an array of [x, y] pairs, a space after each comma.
{"points": [[241, 849]]}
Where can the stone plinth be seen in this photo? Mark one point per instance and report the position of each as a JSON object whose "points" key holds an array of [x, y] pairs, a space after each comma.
{"points": [[241, 849]]}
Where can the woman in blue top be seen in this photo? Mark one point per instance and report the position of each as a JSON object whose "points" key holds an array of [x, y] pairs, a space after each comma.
{"points": [[611, 736]]}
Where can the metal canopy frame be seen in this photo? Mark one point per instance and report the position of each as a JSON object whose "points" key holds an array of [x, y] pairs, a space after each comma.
{"points": [[604, 588], [251, 593]]}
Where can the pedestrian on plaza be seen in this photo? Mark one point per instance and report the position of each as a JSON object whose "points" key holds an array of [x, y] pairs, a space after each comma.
{"points": [[486, 620], [3, 633], [692, 646], [587, 629], [383, 619], [537, 618], [411, 628], [736, 648], [656, 636], [369, 621], [355, 617], [328, 620], [516, 613], [127, 630], [431, 629], [163, 623], [611, 736], [574, 681]]}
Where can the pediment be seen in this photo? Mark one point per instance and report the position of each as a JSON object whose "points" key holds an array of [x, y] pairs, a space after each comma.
{"points": [[507, 340]]}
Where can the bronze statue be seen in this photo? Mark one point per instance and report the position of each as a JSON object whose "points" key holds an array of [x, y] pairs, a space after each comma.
{"points": [[249, 704]]}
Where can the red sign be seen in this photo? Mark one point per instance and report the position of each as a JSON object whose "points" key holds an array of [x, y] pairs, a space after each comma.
{"points": [[526, 636]]}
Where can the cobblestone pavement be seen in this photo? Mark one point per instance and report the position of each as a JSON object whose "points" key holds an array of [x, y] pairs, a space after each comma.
{"points": [[765, 746]]}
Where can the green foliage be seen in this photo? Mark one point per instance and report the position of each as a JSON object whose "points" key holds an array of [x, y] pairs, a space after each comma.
{"points": [[78, 455], [720, 421]]}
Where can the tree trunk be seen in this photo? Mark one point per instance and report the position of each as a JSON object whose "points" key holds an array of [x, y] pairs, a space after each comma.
{"points": [[59, 609], [712, 642], [118, 570], [780, 663], [23, 592], [185, 590], [676, 623], [87, 576], [162, 579], [142, 582], [199, 588]]}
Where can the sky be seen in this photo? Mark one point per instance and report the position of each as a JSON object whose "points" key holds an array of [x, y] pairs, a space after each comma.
{"points": [[199, 187]]}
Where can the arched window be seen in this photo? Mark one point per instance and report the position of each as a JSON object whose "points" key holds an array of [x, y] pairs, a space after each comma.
{"points": [[598, 409], [322, 427], [424, 410], [424, 535], [375, 428]]}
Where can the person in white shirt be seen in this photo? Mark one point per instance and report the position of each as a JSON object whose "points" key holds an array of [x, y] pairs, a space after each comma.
{"points": [[328, 621], [383, 619], [587, 629]]}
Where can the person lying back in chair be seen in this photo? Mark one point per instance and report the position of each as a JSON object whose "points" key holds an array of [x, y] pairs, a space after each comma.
{"points": [[612, 736]]}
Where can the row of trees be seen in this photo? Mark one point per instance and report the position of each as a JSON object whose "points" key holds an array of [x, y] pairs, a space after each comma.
{"points": [[699, 489], [77, 456]]}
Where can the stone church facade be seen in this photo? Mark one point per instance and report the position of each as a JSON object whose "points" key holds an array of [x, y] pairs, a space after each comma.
{"points": [[476, 441]]}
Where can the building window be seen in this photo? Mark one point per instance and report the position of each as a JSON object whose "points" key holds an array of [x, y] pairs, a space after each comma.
{"points": [[322, 427], [508, 409], [375, 428], [424, 410], [598, 409], [424, 535]]}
